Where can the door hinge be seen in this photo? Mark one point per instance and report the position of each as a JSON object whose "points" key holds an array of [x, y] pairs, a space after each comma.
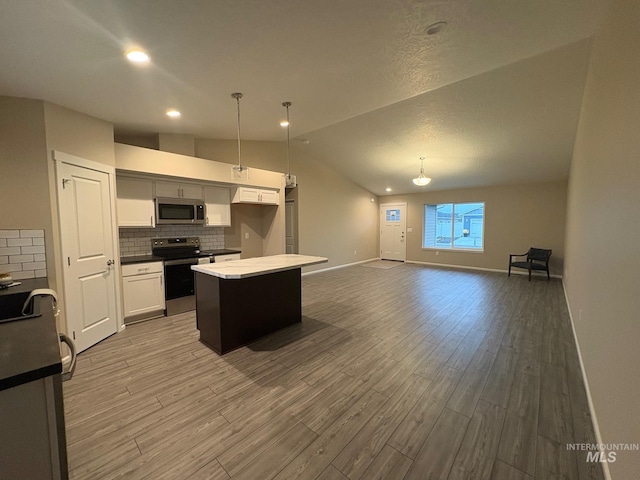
{"points": [[74, 334], [64, 182], [69, 261]]}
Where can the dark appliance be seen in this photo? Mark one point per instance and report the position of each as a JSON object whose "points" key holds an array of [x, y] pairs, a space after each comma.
{"points": [[179, 211], [178, 254]]}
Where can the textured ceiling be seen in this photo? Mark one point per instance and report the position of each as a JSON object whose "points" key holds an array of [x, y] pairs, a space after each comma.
{"points": [[494, 98]]}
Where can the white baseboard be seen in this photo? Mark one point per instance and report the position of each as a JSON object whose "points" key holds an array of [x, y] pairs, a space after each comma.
{"points": [[496, 270], [339, 266], [594, 420]]}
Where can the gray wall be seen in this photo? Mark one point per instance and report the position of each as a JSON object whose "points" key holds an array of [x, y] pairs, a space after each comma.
{"points": [[602, 268], [516, 217]]}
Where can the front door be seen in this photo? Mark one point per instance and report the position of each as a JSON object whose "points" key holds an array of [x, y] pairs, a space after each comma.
{"points": [[392, 231], [86, 230]]}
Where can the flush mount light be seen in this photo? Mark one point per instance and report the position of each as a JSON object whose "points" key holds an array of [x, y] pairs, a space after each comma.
{"points": [[435, 28], [284, 123], [173, 113], [137, 56], [421, 180], [388, 189]]}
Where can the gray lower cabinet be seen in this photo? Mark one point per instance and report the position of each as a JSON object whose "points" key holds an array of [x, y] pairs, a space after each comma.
{"points": [[143, 291], [226, 258], [32, 435]]}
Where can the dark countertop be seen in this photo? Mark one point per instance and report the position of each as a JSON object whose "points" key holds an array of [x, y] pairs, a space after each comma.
{"points": [[26, 286], [153, 258], [215, 253], [29, 348], [139, 259]]}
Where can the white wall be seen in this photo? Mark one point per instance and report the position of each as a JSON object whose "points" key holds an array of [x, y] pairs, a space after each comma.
{"points": [[335, 216], [602, 260], [516, 217]]}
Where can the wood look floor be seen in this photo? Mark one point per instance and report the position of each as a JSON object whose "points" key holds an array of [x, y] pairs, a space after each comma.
{"points": [[402, 373]]}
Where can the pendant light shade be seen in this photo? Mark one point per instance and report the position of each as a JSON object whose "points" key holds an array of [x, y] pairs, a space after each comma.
{"points": [[290, 180], [421, 180], [238, 167]]}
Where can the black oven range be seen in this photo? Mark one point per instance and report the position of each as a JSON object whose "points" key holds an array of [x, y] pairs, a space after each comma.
{"points": [[178, 254]]}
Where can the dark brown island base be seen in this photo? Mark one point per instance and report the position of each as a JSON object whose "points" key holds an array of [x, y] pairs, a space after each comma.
{"points": [[240, 301]]}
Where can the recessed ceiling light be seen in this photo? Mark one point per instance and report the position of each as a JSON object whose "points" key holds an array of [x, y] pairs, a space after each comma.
{"points": [[435, 28], [173, 113], [137, 56], [284, 123], [388, 189]]}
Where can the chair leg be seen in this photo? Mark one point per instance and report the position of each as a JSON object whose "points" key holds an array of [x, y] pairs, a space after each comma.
{"points": [[529, 273], [548, 276], [509, 274]]}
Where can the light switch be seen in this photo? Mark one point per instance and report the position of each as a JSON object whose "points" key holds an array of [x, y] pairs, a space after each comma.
{"points": [[246, 235], [409, 229]]}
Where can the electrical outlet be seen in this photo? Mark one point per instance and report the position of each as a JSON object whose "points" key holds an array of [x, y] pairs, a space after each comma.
{"points": [[246, 235], [355, 252], [437, 253]]}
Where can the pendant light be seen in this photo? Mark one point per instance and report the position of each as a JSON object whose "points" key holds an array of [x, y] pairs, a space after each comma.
{"points": [[239, 168], [290, 180], [421, 180]]}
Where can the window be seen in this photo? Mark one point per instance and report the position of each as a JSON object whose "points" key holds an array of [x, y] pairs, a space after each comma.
{"points": [[454, 226], [393, 215]]}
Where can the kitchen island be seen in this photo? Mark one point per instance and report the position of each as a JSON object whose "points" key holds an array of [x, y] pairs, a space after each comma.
{"points": [[242, 300]]}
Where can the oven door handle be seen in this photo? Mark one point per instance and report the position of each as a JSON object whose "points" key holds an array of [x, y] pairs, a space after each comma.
{"points": [[74, 357], [184, 261]]}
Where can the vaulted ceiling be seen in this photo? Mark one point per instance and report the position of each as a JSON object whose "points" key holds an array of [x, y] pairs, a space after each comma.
{"points": [[493, 98]]}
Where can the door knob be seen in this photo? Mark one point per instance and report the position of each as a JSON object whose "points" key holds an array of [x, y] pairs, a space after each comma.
{"points": [[110, 262]]}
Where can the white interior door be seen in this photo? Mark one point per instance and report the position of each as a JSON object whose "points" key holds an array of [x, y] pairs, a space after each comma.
{"points": [[393, 224], [86, 229], [290, 226]]}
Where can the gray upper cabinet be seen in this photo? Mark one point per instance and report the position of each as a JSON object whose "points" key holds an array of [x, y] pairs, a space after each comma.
{"points": [[178, 190], [217, 203], [256, 196], [135, 202]]}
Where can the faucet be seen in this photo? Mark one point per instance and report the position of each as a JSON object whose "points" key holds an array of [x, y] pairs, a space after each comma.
{"points": [[42, 292]]}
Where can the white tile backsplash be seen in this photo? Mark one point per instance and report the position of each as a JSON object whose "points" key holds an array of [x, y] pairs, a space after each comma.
{"points": [[20, 258], [22, 253], [32, 233], [137, 241], [19, 242], [35, 249]]}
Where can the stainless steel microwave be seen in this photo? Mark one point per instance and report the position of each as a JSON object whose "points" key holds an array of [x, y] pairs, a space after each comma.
{"points": [[179, 211]]}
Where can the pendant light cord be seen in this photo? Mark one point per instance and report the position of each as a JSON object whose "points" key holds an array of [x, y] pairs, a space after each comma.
{"points": [[238, 96], [287, 105]]}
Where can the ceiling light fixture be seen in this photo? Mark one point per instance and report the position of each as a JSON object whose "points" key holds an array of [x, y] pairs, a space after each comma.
{"points": [[173, 113], [137, 56], [239, 168], [290, 180], [421, 180], [388, 189]]}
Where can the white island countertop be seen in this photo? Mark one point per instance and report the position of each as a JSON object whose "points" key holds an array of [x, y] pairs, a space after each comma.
{"points": [[252, 267]]}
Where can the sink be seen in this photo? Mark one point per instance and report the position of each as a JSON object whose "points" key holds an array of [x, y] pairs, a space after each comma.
{"points": [[11, 307]]}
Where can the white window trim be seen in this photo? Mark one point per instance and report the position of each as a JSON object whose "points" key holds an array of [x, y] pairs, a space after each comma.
{"points": [[452, 248]]}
